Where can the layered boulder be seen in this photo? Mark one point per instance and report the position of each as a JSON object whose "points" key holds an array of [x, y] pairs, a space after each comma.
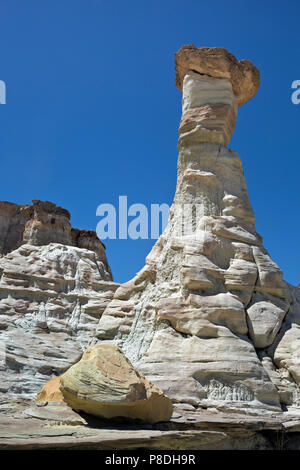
{"points": [[217, 62], [207, 318], [105, 384]]}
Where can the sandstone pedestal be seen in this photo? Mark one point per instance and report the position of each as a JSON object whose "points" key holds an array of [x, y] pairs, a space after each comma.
{"points": [[202, 316]]}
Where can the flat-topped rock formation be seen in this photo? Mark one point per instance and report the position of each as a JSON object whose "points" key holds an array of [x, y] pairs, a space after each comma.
{"points": [[210, 319], [54, 285], [40, 224]]}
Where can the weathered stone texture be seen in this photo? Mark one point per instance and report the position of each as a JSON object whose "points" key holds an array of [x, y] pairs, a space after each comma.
{"points": [[54, 284], [105, 384], [199, 320], [209, 319], [217, 62]]}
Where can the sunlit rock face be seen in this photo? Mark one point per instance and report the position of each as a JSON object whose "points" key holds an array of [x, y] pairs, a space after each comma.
{"points": [[55, 283], [203, 318], [209, 109]]}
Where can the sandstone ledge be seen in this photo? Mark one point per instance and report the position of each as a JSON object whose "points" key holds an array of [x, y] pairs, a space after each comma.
{"points": [[42, 223], [55, 426]]}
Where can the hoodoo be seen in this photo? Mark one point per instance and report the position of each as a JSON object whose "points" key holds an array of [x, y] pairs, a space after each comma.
{"points": [[209, 316], [206, 337]]}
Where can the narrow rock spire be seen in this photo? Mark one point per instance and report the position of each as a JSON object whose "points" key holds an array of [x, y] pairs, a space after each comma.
{"points": [[199, 318]]}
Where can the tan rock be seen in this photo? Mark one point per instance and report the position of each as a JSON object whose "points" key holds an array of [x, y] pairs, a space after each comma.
{"points": [[42, 223], [282, 379], [51, 391], [240, 278], [202, 316], [287, 354], [105, 384], [219, 63]]}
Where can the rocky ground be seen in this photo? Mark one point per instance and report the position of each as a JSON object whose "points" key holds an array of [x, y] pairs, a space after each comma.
{"points": [[26, 425]]}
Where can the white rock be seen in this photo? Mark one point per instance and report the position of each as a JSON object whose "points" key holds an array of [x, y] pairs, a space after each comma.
{"points": [[51, 299]]}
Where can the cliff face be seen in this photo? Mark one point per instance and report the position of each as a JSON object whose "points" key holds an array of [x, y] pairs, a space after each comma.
{"points": [[54, 284], [43, 223], [209, 319]]}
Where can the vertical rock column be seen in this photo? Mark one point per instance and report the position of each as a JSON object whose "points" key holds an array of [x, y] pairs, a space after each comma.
{"points": [[209, 299], [209, 109]]}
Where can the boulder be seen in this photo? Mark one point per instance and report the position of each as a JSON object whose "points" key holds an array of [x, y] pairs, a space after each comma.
{"points": [[105, 384]]}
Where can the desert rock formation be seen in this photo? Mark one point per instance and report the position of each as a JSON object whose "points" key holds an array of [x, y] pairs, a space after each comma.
{"points": [[210, 319], [50, 391], [104, 383], [55, 283]]}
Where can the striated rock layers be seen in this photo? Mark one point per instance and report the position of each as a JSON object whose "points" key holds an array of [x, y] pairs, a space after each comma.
{"points": [[210, 319], [55, 283], [105, 384]]}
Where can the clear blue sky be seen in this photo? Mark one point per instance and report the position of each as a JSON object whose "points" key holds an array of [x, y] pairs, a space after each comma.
{"points": [[92, 110]]}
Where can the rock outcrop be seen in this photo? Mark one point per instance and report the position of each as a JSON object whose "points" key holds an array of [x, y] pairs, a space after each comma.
{"points": [[42, 223], [105, 384], [203, 318], [55, 283]]}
